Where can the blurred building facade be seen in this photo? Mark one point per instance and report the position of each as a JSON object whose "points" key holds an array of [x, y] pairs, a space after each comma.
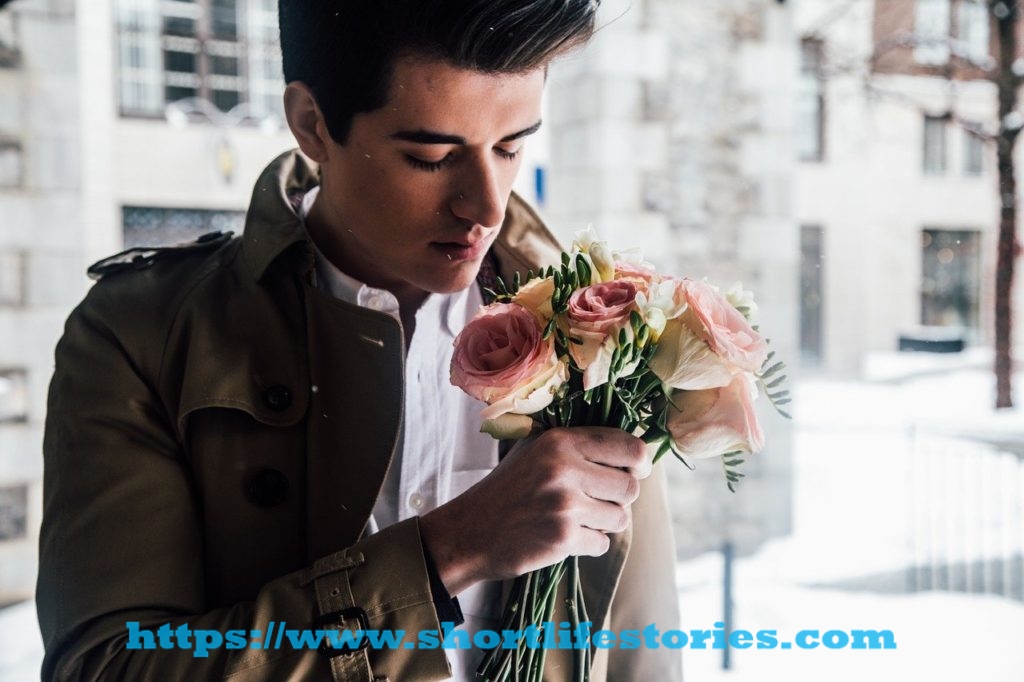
{"points": [[898, 198], [674, 132], [92, 160]]}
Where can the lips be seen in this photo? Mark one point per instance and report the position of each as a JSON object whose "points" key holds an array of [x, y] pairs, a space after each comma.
{"points": [[463, 250]]}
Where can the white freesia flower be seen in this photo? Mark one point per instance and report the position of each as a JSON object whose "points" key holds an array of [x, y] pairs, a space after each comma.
{"points": [[740, 298], [603, 261]]}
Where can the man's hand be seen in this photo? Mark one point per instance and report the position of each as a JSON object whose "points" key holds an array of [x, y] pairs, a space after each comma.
{"points": [[554, 495]]}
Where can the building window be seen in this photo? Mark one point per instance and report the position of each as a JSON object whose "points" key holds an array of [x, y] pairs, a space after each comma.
{"points": [[931, 32], [811, 294], [950, 278], [812, 101], [224, 51], [13, 512], [13, 396], [12, 279], [150, 226], [974, 154], [934, 145], [972, 31], [11, 164], [10, 55]]}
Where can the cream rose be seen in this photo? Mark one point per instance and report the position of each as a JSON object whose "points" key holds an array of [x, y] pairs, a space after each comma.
{"points": [[716, 421]]}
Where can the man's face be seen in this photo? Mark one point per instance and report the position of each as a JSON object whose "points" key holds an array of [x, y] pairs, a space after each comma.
{"points": [[414, 198]]}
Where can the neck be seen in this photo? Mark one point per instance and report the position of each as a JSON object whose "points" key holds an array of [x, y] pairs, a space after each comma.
{"points": [[329, 238]]}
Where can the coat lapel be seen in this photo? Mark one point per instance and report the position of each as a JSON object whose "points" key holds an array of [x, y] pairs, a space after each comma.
{"points": [[355, 418]]}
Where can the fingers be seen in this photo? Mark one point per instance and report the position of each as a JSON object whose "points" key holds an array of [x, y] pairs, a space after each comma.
{"points": [[600, 444], [611, 485], [592, 543]]}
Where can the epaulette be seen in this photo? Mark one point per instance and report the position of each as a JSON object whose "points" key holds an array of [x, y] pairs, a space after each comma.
{"points": [[141, 257]]}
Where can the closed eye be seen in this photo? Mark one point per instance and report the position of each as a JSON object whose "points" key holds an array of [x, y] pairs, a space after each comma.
{"points": [[429, 166]]}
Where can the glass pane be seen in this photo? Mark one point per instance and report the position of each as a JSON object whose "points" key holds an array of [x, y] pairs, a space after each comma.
{"points": [[224, 66], [934, 145], [180, 26], [974, 154], [13, 512], [12, 278], [180, 61], [13, 395], [226, 99], [931, 30], [173, 93], [153, 226], [950, 269], [224, 18], [811, 294]]}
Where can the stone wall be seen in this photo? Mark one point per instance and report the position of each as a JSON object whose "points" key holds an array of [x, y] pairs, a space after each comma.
{"points": [[673, 132]]}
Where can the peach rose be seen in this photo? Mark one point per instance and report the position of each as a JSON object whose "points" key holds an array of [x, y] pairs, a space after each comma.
{"points": [[502, 359], [641, 274], [595, 316], [536, 296], [716, 421]]}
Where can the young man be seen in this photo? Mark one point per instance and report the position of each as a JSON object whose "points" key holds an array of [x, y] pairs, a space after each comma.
{"points": [[257, 433]]}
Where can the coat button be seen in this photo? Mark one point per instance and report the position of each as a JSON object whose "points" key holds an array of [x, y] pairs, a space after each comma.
{"points": [[266, 488], [278, 398]]}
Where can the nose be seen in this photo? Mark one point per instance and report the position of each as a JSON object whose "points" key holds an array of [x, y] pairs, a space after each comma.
{"points": [[480, 195]]}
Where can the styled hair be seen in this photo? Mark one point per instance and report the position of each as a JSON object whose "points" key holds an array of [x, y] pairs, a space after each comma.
{"points": [[345, 50]]}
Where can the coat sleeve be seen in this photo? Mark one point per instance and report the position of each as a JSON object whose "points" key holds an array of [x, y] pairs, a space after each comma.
{"points": [[647, 593], [122, 541]]}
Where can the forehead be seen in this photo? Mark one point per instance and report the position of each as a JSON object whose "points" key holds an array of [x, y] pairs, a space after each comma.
{"points": [[435, 95]]}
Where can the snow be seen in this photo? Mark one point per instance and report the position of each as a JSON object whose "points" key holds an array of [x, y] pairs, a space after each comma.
{"points": [[885, 470], [889, 472]]}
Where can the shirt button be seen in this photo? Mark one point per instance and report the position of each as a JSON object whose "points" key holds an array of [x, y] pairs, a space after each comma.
{"points": [[416, 502]]}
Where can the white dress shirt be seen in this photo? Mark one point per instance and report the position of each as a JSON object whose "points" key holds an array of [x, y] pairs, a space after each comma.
{"points": [[442, 452]]}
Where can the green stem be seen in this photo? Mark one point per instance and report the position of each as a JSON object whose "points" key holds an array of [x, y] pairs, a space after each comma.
{"points": [[609, 390]]}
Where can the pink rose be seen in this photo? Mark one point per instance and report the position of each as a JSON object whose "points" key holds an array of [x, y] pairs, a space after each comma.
{"points": [[595, 316], [708, 343], [724, 328], [716, 421], [502, 359]]}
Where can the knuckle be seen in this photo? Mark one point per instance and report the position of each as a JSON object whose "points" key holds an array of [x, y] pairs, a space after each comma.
{"points": [[638, 449], [632, 489]]}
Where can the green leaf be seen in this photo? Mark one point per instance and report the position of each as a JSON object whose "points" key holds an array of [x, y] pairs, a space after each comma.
{"points": [[583, 270], [776, 382]]}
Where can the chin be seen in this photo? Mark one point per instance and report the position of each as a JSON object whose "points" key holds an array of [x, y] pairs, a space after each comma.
{"points": [[459, 282]]}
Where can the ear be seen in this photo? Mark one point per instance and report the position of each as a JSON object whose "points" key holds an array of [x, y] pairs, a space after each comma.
{"points": [[306, 121]]}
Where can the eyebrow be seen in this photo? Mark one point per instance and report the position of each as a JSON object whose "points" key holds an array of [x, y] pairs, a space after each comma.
{"points": [[432, 137]]}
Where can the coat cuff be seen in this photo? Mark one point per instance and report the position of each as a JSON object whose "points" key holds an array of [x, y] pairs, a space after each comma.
{"points": [[381, 581]]}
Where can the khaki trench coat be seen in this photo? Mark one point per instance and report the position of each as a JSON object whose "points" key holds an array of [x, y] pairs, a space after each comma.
{"points": [[217, 433]]}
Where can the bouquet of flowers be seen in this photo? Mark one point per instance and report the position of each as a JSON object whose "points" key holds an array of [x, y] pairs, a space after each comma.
{"points": [[605, 340]]}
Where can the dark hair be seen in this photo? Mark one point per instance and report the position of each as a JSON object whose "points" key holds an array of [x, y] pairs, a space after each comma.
{"points": [[345, 50]]}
